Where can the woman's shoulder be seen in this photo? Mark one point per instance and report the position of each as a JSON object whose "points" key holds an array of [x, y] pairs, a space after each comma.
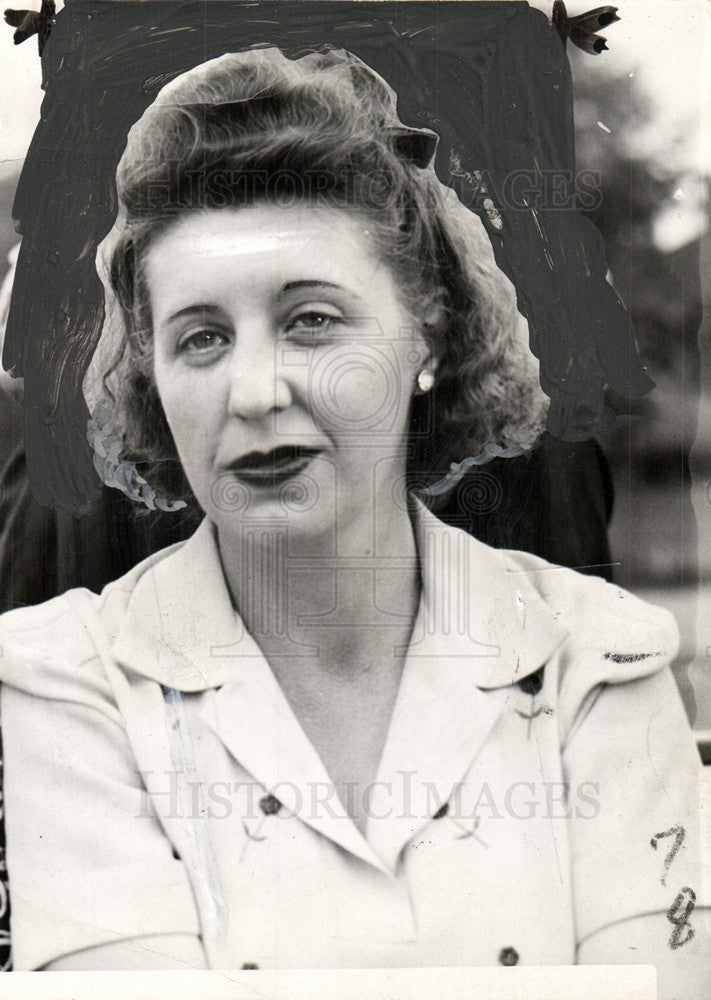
{"points": [[582, 599], [626, 636], [54, 649], [538, 603], [610, 640]]}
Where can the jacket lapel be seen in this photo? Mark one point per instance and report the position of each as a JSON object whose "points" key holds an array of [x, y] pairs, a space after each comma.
{"points": [[181, 630], [440, 721], [481, 625], [254, 720]]}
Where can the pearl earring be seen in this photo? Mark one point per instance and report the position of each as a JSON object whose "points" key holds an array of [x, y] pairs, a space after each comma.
{"points": [[425, 380]]}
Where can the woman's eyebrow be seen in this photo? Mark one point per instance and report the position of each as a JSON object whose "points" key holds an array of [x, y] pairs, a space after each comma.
{"points": [[290, 285], [189, 310], [207, 309]]}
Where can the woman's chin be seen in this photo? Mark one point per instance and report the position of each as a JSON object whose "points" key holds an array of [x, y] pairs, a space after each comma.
{"points": [[301, 503]]}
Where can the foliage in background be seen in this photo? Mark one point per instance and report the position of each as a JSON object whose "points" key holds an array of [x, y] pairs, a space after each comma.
{"points": [[654, 531]]}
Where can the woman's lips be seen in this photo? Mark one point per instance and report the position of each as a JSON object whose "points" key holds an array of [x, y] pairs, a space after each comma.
{"points": [[273, 467]]}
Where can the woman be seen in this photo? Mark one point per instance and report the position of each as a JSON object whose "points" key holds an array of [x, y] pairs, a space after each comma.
{"points": [[330, 730]]}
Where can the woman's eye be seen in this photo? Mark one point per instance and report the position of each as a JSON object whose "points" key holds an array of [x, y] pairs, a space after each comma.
{"points": [[200, 341], [312, 324]]}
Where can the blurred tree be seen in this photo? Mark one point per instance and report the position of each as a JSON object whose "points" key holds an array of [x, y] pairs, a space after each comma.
{"points": [[662, 293]]}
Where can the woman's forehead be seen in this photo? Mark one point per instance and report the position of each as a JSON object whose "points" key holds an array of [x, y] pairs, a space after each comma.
{"points": [[263, 233], [265, 247]]}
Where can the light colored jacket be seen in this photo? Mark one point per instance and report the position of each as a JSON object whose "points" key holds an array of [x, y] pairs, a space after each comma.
{"points": [[538, 772]]}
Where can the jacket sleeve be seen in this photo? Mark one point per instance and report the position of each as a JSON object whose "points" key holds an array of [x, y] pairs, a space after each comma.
{"points": [[637, 849], [88, 861]]}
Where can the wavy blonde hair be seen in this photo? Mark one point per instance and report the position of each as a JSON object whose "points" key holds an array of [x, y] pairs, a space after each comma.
{"points": [[322, 129]]}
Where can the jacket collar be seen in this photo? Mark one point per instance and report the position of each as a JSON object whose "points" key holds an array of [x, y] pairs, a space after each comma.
{"points": [[478, 609], [480, 624]]}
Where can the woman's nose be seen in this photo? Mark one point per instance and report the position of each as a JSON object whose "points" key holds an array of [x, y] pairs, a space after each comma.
{"points": [[258, 378]]}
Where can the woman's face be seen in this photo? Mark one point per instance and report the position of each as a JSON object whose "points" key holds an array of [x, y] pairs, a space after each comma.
{"points": [[284, 361]]}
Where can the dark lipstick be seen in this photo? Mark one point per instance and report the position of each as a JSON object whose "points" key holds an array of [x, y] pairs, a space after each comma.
{"points": [[268, 468]]}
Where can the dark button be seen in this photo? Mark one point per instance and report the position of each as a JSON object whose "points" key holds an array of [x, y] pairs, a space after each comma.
{"points": [[533, 683], [269, 804], [508, 956], [442, 811], [250, 965]]}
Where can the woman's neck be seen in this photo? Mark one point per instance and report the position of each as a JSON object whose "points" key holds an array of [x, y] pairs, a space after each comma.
{"points": [[335, 631], [333, 598]]}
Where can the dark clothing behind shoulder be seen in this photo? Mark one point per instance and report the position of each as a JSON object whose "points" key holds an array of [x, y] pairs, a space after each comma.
{"points": [[555, 502]]}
